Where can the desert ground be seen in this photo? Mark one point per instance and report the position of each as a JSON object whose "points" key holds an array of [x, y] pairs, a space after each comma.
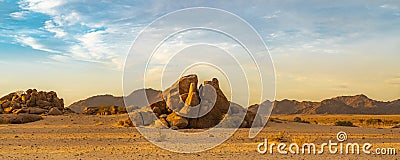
{"points": [[97, 137]]}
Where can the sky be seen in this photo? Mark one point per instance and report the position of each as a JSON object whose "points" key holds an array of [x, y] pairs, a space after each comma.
{"points": [[319, 49]]}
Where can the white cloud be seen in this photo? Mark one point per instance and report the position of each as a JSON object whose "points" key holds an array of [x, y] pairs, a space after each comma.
{"points": [[100, 34], [19, 15], [92, 45], [33, 43], [49, 26], [389, 6], [274, 15], [41, 6], [67, 23], [72, 18]]}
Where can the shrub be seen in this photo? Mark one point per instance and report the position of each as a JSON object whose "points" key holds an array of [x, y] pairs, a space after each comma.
{"points": [[109, 110], [373, 121], [298, 119], [104, 110], [344, 123]]}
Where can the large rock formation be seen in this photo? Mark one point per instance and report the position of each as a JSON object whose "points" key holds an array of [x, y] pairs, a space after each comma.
{"points": [[174, 120], [183, 105], [202, 108], [215, 109], [31, 102]]}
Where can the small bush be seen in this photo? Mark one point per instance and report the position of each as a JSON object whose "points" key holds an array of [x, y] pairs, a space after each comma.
{"points": [[110, 110], [104, 110], [373, 121], [344, 123], [125, 123], [298, 119]]}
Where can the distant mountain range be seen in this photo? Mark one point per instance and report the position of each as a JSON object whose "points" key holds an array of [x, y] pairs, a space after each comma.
{"points": [[136, 98], [358, 104]]}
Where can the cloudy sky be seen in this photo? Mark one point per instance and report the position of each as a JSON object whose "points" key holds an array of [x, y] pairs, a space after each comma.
{"points": [[320, 50]]}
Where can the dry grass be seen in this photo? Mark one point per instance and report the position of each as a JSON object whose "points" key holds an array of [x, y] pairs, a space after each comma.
{"points": [[72, 137], [368, 121], [301, 139], [285, 137]]}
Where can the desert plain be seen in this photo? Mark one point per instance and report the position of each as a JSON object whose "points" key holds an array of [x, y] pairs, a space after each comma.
{"points": [[74, 136]]}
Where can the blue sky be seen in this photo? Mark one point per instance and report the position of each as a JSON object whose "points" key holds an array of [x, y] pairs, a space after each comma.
{"points": [[320, 49]]}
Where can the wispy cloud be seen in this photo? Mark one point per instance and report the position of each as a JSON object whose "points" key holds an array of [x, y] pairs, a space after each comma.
{"points": [[84, 35], [274, 15], [19, 15], [41, 6], [393, 81], [50, 26], [102, 32], [33, 43], [389, 6]]}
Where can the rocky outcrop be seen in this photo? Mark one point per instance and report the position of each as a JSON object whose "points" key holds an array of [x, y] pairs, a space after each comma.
{"points": [[160, 108], [54, 111], [175, 120], [31, 102], [213, 103], [183, 105], [201, 108]]}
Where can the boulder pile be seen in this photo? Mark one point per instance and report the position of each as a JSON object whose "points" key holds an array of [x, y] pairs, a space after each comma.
{"points": [[32, 102], [183, 105]]}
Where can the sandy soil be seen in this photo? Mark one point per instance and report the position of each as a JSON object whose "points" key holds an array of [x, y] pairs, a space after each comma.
{"points": [[97, 137]]}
